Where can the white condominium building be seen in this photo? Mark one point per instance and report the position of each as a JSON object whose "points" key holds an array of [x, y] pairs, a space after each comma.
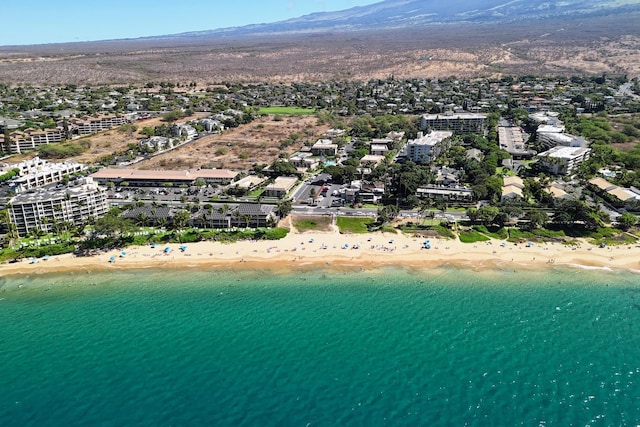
{"points": [[563, 160], [38, 173], [44, 207], [459, 123], [426, 148]]}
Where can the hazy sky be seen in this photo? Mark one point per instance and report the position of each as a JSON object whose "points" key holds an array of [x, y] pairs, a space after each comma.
{"points": [[53, 21]]}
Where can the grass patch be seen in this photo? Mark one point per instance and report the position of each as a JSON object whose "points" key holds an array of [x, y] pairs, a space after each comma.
{"points": [[517, 235], [388, 229], [348, 225], [322, 223], [611, 237], [287, 111], [472, 236], [493, 232]]}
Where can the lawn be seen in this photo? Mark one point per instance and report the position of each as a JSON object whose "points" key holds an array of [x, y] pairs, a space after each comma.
{"points": [[321, 223], [287, 111], [472, 236], [348, 225]]}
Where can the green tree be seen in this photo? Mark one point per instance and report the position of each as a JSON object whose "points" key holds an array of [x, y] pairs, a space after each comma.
{"points": [[536, 218], [627, 220], [387, 213]]}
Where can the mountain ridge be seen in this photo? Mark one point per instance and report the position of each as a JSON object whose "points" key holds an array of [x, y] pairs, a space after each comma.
{"points": [[395, 14]]}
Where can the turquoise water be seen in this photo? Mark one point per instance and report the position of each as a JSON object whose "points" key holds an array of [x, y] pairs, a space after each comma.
{"points": [[384, 348]]}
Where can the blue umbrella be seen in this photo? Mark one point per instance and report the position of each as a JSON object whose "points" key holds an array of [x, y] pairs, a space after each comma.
{"points": [[153, 245], [167, 249], [112, 259], [123, 253]]}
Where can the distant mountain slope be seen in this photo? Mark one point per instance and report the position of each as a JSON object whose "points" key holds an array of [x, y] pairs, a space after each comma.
{"points": [[411, 13]]}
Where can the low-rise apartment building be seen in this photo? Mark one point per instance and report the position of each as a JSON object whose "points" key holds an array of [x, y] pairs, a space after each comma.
{"points": [[155, 178], [280, 187], [512, 188], [44, 207], [324, 147], [450, 193]]}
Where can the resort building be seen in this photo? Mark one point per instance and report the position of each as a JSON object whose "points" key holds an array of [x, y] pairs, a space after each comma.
{"points": [[563, 160], [555, 139], [36, 173], [512, 188], [458, 123], [425, 149], [30, 139], [156, 178], [557, 192], [243, 215], [45, 207], [88, 124], [280, 187], [624, 195], [453, 193]]}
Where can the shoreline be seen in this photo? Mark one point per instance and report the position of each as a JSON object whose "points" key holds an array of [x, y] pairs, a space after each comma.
{"points": [[334, 251]]}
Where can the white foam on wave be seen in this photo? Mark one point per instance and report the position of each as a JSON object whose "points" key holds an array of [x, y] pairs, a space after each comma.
{"points": [[590, 267]]}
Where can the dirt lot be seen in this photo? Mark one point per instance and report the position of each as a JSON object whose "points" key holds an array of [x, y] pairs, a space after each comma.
{"points": [[114, 140], [242, 147]]}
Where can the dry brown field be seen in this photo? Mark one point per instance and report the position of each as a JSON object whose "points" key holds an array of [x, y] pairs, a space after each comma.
{"points": [[240, 148], [258, 142]]}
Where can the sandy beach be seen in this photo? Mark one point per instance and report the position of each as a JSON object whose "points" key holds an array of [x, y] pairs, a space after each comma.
{"points": [[338, 251]]}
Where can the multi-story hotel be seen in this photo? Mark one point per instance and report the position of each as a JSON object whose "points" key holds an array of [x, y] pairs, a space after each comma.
{"points": [[45, 207], [38, 173], [563, 160], [426, 148], [30, 139], [87, 125], [459, 123]]}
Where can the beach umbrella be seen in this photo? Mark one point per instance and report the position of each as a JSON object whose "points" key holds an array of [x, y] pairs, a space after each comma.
{"points": [[46, 257], [112, 259], [311, 240], [123, 253], [153, 245], [183, 248], [167, 249]]}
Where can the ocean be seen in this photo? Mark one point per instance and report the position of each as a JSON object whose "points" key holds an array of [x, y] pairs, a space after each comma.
{"points": [[391, 347]]}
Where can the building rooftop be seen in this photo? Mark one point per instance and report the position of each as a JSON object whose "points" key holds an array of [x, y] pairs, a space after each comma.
{"points": [[432, 138], [164, 175], [565, 152], [44, 194]]}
